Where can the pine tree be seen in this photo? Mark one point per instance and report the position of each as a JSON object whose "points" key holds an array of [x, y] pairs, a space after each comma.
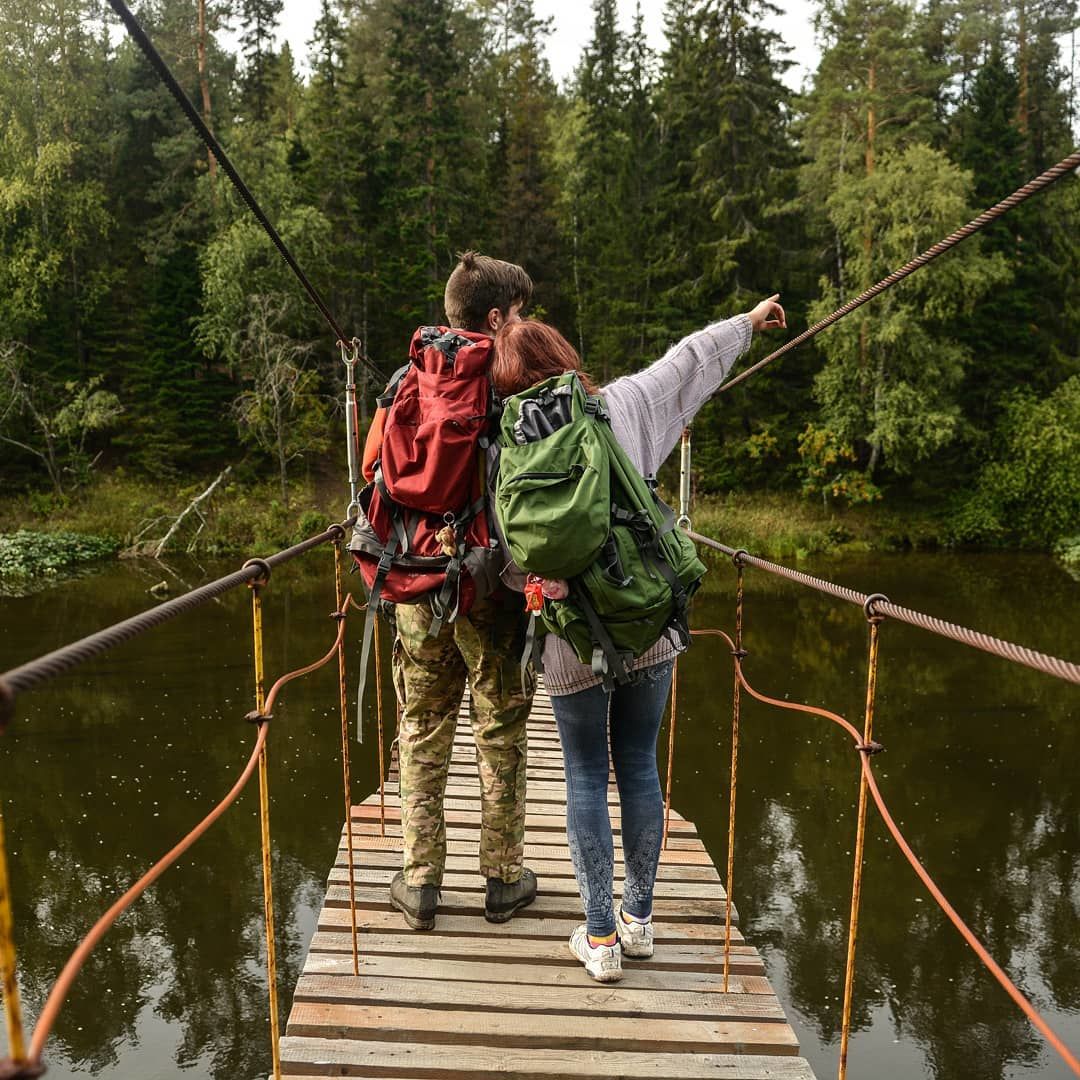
{"points": [[258, 26], [605, 204], [727, 232], [427, 185], [338, 132], [523, 227]]}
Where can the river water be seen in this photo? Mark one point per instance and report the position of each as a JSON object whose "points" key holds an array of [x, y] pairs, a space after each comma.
{"points": [[106, 767]]}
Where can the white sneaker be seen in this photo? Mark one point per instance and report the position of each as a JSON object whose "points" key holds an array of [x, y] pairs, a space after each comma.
{"points": [[636, 938], [602, 962]]}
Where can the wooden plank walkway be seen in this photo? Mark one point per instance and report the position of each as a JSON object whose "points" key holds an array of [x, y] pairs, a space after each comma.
{"points": [[470, 998]]}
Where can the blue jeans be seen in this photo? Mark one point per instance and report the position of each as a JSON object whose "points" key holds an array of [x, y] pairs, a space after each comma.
{"points": [[633, 714]]}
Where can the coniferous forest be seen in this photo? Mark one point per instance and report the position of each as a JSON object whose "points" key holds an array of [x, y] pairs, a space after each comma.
{"points": [[150, 332]]}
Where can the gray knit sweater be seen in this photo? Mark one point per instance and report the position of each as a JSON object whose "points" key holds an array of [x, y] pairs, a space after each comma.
{"points": [[648, 413]]}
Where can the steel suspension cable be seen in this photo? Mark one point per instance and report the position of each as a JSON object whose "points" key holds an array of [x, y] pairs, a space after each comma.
{"points": [[1008, 650], [154, 57], [1032, 187]]}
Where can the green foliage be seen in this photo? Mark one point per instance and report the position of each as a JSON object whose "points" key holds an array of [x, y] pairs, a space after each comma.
{"points": [[891, 374], [650, 195], [826, 469], [30, 554], [52, 423], [1029, 490]]}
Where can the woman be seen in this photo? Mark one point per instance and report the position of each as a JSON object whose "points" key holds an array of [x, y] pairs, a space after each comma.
{"points": [[648, 413]]}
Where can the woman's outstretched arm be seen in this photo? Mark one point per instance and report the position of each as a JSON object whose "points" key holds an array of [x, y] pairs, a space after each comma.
{"points": [[657, 403]]}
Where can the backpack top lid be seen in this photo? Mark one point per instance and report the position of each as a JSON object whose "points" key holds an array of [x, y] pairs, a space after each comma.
{"points": [[553, 494], [439, 418], [458, 354]]}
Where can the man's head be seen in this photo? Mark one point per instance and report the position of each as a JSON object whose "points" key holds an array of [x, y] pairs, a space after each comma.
{"points": [[483, 294]]}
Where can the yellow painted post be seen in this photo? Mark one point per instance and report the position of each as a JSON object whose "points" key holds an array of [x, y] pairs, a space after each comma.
{"points": [[860, 841], [739, 653], [8, 981], [264, 832], [346, 778]]}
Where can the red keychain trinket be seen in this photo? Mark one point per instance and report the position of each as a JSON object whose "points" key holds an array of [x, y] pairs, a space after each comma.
{"points": [[534, 594]]}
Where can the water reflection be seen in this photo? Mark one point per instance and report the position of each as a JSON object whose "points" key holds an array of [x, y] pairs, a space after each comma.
{"points": [[104, 769]]}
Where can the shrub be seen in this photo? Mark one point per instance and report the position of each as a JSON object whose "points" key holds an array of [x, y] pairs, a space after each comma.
{"points": [[29, 554], [1030, 489]]}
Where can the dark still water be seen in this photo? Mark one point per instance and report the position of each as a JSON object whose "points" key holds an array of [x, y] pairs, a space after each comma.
{"points": [[106, 768]]}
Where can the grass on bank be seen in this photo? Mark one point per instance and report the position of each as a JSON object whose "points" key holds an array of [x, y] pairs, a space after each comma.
{"points": [[786, 525], [44, 534], [119, 512]]}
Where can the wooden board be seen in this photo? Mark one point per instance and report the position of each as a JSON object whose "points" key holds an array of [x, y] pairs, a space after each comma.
{"points": [[472, 999]]}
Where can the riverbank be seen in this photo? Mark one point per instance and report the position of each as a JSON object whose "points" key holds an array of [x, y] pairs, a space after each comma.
{"points": [[119, 514]]}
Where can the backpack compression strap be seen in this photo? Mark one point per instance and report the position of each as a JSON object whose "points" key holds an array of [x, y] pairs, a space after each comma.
{"points": [[679, 623], [608, 663], [451, 588]]}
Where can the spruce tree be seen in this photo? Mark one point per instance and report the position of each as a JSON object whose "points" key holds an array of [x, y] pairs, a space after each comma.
{"points": [[604, 204], [727, 232], [523, 226], [425, 198], [258, 26]]}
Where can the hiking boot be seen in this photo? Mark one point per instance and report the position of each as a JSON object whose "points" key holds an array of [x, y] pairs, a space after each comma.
{"points": [[602, 962], [416, 902], [503, 900], [636, 938]]}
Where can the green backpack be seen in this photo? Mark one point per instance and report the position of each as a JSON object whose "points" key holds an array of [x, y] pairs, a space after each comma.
{"points": [[571, 505]]}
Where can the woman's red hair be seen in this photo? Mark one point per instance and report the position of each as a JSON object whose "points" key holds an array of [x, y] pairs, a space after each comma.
{"points": [[528, 352]]}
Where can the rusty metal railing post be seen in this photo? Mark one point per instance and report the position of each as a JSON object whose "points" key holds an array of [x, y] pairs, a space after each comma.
{"points": [[9, 985], [264, 822], [346, 768], [737, 654], [670, 751], [860, 831]]}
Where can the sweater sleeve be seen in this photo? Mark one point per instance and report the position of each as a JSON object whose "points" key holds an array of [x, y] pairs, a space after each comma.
{"points": [[653, 406]]}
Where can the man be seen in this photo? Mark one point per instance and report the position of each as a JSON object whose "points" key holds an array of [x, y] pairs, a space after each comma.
{"points": [[483, 647]]}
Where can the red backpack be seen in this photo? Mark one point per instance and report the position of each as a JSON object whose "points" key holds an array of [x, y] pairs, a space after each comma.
{"points": [[422, 530]]}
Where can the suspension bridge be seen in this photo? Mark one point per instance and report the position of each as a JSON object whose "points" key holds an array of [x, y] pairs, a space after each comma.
{"points": [[374, 1000]]}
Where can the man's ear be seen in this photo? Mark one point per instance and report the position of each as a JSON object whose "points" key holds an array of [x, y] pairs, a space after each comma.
{"points": [[494, 320]]}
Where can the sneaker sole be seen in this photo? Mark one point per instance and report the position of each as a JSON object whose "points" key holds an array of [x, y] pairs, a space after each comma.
{"points": [[506, 916], [640, 954], [413, 920]]}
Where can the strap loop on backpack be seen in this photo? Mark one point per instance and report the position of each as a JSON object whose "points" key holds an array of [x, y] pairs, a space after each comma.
{"points": [[608, 663], [386, 560]]}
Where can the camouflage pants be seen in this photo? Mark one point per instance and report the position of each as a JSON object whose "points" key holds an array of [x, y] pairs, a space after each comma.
{"points": [[430, 673]]}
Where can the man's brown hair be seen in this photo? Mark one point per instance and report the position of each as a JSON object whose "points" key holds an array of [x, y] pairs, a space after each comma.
{"points": [[480, 283]]}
